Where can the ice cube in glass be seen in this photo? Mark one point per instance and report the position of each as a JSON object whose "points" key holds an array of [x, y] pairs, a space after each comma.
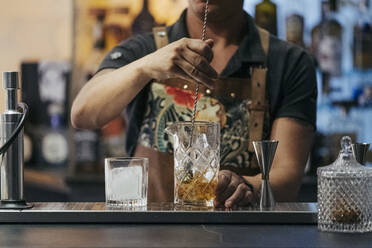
{"points": [[126, 181]]}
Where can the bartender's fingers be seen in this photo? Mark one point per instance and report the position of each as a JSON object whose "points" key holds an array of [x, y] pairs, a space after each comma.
{"points": [[237, 196], [224, 178], [195, 73], [203, 48], [210, 43], [248, 198], [230, 189], [199, 62], [179, 73]]}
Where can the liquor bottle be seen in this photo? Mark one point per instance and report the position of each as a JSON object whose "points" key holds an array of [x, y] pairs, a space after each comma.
{"points": [[316, 31], [144, 22], [45, 83], [87, 153], [99, 46], [265, 16], [54, 143], [329, 54], [295, 29], [362, 44], [117, 26]]}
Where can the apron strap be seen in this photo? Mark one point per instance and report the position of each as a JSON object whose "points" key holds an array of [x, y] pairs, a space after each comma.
{"points": [[160, 36], [259, 104], [265, 41]]}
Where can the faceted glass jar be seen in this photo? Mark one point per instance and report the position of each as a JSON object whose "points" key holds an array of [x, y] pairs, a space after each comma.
{"points": [[345, 194]]}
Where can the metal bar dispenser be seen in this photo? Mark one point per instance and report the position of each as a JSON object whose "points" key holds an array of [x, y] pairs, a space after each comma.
{"points": [[11, 151]]}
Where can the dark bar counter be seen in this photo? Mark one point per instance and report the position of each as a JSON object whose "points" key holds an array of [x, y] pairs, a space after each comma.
{"points": [[164, 225], [159, 213], [163, 235]]}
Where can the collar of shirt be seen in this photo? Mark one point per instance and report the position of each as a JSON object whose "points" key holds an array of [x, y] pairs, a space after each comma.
{"points": [[249, 53]]}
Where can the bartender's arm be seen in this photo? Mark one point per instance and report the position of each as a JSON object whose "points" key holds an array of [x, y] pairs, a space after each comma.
{"points": [[293, 127], [295, 141], [106, 95]]}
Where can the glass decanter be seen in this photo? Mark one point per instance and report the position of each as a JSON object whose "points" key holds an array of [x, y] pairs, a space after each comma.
{"points": [[345, 194]]}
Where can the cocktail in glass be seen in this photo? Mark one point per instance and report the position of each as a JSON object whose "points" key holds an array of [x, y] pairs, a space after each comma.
{"points": [[196, 162]]}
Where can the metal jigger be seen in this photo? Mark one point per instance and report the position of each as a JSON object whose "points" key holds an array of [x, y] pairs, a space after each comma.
{"points": [[265, 152], [360, 152]]}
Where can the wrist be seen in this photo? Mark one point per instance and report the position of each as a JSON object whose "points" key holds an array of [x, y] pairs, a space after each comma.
{"points": [[145, 67]]}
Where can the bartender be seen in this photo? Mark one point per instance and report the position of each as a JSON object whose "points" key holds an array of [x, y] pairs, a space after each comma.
{"points": [[255, 85]]}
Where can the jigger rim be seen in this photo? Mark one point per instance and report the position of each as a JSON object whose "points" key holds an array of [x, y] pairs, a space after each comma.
{"points": [[212, 123], [361, 143], [265, 141]]}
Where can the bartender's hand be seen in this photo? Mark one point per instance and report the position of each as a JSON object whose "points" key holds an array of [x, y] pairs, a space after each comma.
{"points": [[186, 58], [232, 191]]}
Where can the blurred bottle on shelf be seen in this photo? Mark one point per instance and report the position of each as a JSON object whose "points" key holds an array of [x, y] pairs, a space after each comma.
{"points": [[45, 86], [326, 45], [144, 22], [54, 141], [314, 50], [266, 16], [330, 45], [87, 153], [117, 26], [295, 29], [316, 33], [362, 43], [98, 51]]}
